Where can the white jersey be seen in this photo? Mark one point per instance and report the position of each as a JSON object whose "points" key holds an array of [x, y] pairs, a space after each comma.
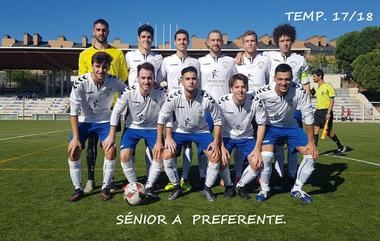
{"points": [[237, 120], [295, 61], [216, 73], [190, 115], [142, 111], [171, 70], [281, 109], [135, 58], [257, 70], [94, 101]]}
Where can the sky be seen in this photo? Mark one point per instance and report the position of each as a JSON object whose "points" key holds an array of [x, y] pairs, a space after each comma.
{"points": [[73, 19]]}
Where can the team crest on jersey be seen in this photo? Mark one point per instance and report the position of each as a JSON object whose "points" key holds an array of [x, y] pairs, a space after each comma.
{"points": [[225, 64], [187, 121], [214, 73], [261, 65]]}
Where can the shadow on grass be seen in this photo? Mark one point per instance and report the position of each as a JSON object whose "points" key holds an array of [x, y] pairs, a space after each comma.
{"points": [[327, 177]]}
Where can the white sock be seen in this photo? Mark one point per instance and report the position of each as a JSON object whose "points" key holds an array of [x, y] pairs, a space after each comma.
{"points": [[202, 165], [129, 171], [108, 172], [187, 157], [104, 168], [154, 173], [148, 160], [279, 159], [266, 171], [76, 173], [305, 170], [238, 157], [248, 176], [212, 173], [226, 177], [171, 171], [292, 163]]}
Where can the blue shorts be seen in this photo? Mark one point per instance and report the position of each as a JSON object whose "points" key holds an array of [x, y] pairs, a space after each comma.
{"points": [[244, 145], [86, 129], [209, 121], [202, 140], [298, 117], [294, 136], [131, 137]]}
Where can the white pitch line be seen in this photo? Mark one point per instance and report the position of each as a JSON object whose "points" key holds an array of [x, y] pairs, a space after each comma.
{"points": [[36, 134], [353, 159]]}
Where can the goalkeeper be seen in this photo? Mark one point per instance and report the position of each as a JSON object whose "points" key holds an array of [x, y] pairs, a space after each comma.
{"points": [[325, 102]]}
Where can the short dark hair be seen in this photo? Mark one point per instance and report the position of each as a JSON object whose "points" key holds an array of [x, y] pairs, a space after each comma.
{"points": [[181, 31], [146, 66], [318, 72], [101, 57], [284, 30], [237, 77], [214, 31], [101, 21], [147, 28], [283, 68], [189, 69], [248, 33]]}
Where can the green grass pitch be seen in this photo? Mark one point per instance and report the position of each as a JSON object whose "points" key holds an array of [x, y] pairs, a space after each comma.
{"points": [[35, 186]]}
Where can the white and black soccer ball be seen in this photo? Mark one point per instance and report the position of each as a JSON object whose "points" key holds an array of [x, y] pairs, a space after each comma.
{"points": [[134, 194]]}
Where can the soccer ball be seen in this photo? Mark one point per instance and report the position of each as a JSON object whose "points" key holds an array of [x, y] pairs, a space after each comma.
{"points": [[134, 194]]}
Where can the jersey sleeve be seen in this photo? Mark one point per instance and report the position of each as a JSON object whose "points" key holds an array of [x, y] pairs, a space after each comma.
{"points": [[234, 69], [166, 111], [331, 91], [304, 106], [213, 108], [76, 97], [163, 71], [119, 106], [120, 86], [260, 111]]}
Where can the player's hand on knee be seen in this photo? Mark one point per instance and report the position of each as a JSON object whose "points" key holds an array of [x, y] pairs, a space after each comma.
{"points": [[108, 143], [312, 150], [170, 145], [73, 146], [214, 150], [255, 160], [157, 151]]}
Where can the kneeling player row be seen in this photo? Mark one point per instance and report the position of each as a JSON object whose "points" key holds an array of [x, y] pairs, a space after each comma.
{"points": [[187, 115]]}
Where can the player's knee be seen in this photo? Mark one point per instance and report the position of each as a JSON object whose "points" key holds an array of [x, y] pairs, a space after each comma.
{"points": [[110, 154], [167, 154], [125, 155], [75, 155]]}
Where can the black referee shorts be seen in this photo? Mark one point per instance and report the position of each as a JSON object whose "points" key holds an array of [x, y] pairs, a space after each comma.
{"points": [[320, 118]]}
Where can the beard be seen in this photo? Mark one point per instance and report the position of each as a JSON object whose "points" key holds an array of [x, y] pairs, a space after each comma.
{"points": [[100, 40]]}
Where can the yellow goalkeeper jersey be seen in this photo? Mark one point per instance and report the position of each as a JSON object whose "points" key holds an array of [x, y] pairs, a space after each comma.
{"points": [[118, 65]]}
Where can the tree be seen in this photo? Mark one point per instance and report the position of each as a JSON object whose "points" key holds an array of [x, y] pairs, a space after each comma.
{"points": [[366, 70], [326, 63], [353, 44]]}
